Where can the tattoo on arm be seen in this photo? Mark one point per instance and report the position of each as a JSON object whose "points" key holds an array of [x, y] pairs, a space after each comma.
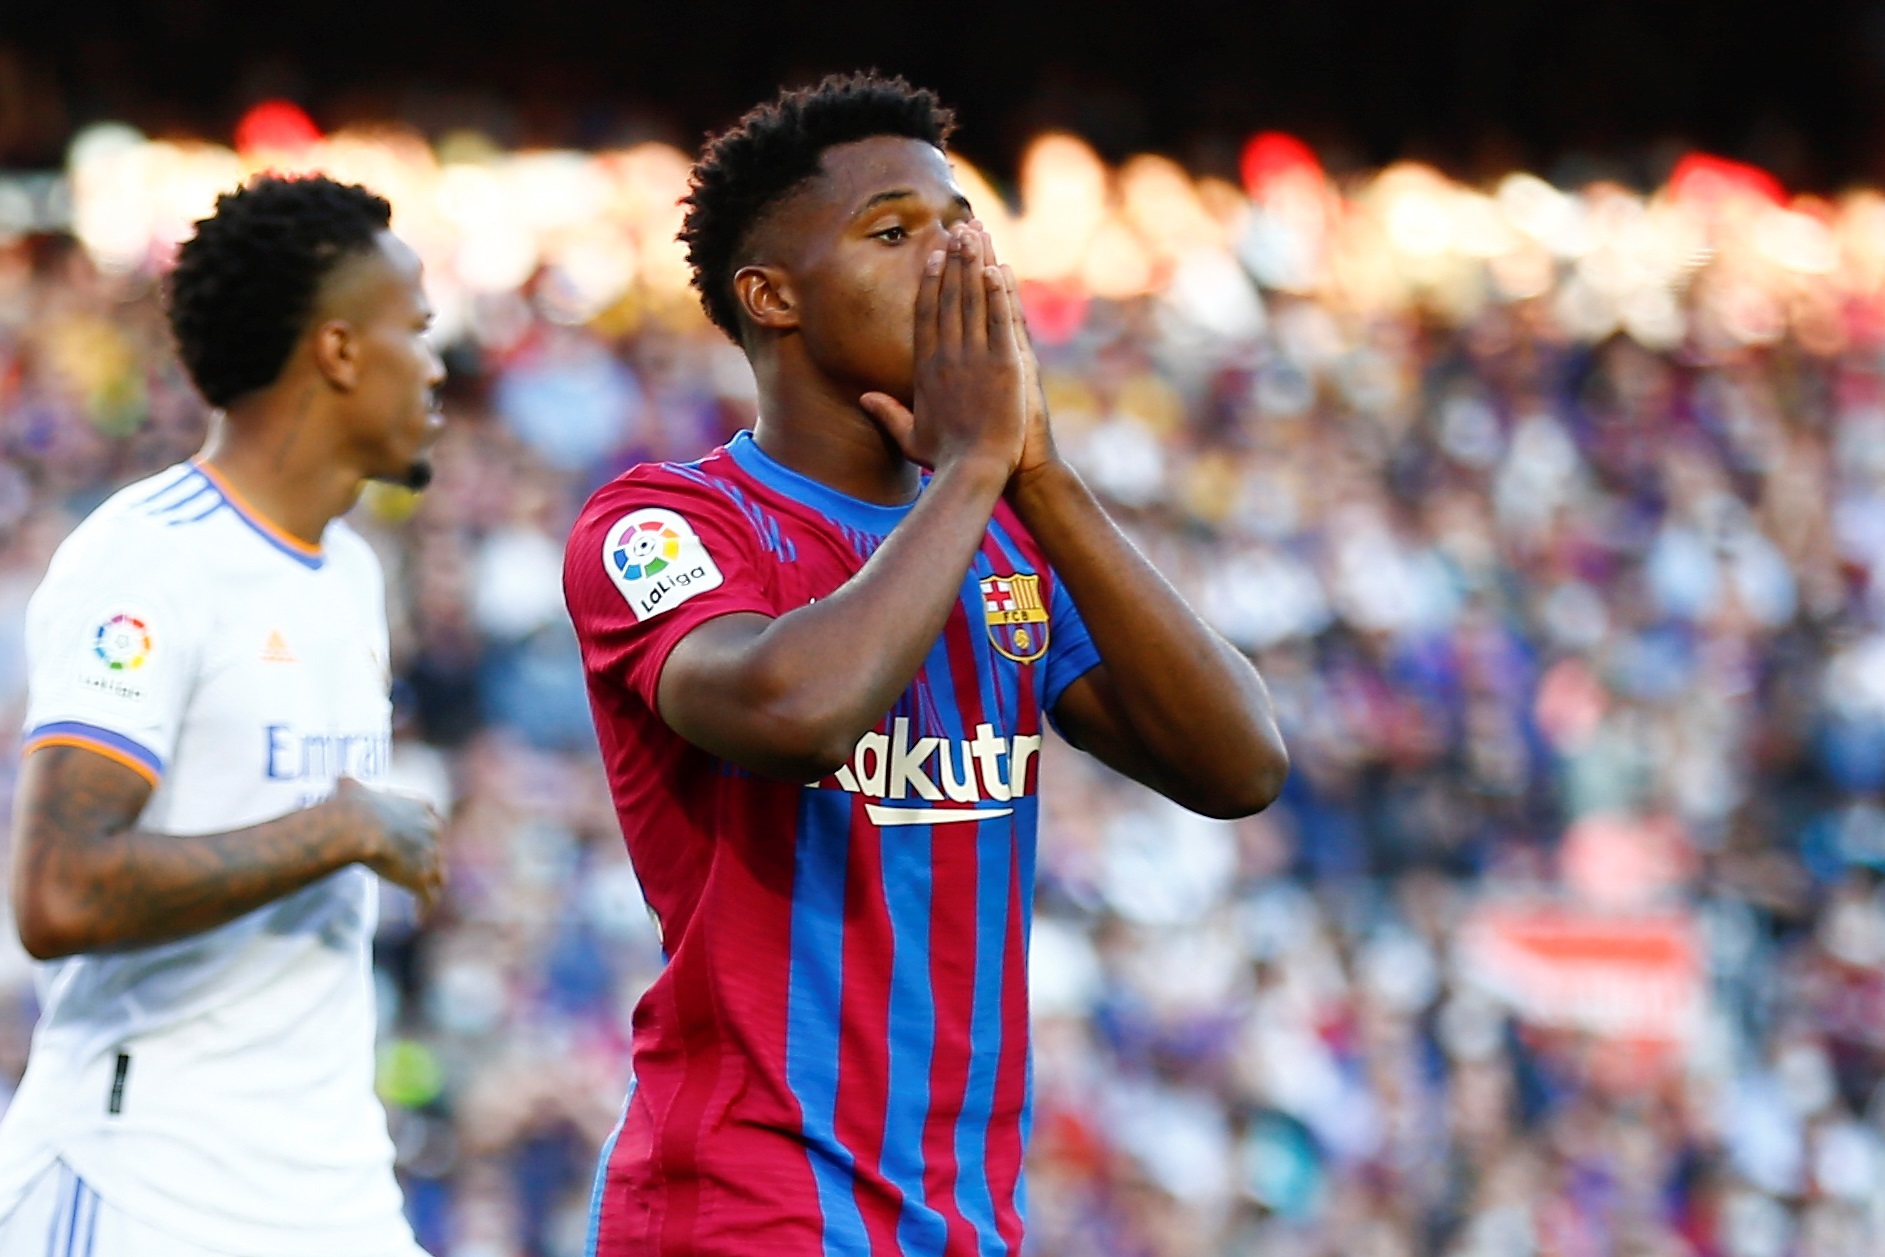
{"points": [[85, 878]]}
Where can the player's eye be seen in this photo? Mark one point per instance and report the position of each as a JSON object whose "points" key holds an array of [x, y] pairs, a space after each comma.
{"points": [[891, 234]]}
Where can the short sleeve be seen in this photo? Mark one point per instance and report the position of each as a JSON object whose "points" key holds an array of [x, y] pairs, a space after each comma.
{"points": [[1070, 650], [112, 650], [654, 556]]}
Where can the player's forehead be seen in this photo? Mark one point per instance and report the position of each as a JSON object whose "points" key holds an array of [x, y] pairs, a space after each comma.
{"points": [[856, 176]]}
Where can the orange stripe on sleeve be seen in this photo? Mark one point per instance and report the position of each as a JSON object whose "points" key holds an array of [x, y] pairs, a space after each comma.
{"points": [[97, 748]]}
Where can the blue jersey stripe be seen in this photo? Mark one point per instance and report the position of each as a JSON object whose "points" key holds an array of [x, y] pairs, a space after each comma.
{"points": [[814, 997], [921, 1230], [73, 1214], [203, 489], [1027, 818], [91, 1220], [200, 516], [993, 843], [190, 475], [602, 1176], [68, 1182], [908, 890]]}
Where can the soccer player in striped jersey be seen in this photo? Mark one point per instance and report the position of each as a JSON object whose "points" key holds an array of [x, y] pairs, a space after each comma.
{"points": [[207, 660], [819, 659]]}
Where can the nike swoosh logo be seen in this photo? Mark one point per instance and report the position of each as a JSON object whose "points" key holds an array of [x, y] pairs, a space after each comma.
{"points": [[889, 816]]}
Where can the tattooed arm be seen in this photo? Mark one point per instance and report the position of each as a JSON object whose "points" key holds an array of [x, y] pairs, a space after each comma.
{"points": [[85, 878]]}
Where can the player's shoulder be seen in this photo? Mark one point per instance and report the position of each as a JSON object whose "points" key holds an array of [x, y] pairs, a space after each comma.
{"points": [[683, 482], [126, 553], [140, 524], [702, 488], [652, 518], [344, 546]]}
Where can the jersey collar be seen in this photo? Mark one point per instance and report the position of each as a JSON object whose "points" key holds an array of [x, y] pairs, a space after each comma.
{"points": [[277, 536], [856, 512]]}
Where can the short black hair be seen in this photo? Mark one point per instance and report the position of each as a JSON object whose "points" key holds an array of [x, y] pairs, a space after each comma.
{"points": [[245, 283], [774, 148]]}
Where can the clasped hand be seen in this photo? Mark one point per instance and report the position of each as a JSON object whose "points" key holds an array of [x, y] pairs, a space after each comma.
{"points": [[974, 378]]}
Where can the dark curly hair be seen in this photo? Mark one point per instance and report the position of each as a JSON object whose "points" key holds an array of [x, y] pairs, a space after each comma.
{"points": [[776, 147], [245, 283]]}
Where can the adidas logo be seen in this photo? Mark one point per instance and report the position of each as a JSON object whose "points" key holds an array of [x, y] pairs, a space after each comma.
{"points": [[275, 650]]}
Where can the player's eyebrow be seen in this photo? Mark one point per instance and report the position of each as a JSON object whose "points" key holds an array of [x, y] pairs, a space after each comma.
{"points": [[898, 194]]}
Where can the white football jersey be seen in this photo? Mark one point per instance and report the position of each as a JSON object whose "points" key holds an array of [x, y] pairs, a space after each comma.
{"points": [[219, 1087]]}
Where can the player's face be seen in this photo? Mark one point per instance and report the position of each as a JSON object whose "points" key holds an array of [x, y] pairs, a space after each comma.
{"points": [[394, 413], [858, 240]]}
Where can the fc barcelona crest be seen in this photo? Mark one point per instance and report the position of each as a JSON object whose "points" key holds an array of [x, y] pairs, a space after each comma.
{"points": [[1017, 618]]}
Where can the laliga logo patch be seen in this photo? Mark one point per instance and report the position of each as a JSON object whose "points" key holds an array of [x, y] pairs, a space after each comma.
{"points": [[121, 646], [1017, 618], [122, 643], [656, 561]]}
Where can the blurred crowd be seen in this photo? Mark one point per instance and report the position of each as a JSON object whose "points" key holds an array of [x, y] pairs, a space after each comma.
{"points": [[1555, 520]]}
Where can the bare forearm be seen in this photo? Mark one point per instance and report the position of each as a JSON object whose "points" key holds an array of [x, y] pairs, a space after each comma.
{"points": [[1192, 700], [817, 678], [81, 885], [882, 622], [132, 888]]}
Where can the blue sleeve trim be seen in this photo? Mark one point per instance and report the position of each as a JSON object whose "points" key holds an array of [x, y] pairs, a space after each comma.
{"points": [[1069, 668], [1071, 655], [78, 731]]}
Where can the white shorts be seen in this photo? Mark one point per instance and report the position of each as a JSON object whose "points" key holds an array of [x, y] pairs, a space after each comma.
{"points": [[62, 1217]]}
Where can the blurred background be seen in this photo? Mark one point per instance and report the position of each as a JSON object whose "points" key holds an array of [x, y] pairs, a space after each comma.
{"points": [[1508, 379]]}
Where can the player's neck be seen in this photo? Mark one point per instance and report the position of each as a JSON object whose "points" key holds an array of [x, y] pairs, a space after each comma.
{"points": [[281, 470], [823, 434]]}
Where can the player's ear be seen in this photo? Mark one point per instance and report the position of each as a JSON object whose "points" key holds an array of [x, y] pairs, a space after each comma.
{"points": [[337, 353], [765, 295]]}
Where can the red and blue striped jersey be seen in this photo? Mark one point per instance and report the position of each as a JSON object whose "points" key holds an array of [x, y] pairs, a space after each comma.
{"points": [[835, 1059]]}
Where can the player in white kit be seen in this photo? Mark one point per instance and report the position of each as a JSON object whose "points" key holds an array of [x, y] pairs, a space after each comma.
{"points": [[194, 850]]}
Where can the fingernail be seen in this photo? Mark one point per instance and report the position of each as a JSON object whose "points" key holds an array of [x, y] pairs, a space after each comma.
{"points": [[935, 264]]}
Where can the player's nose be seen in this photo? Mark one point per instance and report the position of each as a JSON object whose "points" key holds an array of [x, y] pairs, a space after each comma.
{"points": [[932, 236]]}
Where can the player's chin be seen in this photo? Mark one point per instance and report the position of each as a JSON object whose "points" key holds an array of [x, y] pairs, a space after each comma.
{"points": [[408, 463], [415, 475], [895, 374]]}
